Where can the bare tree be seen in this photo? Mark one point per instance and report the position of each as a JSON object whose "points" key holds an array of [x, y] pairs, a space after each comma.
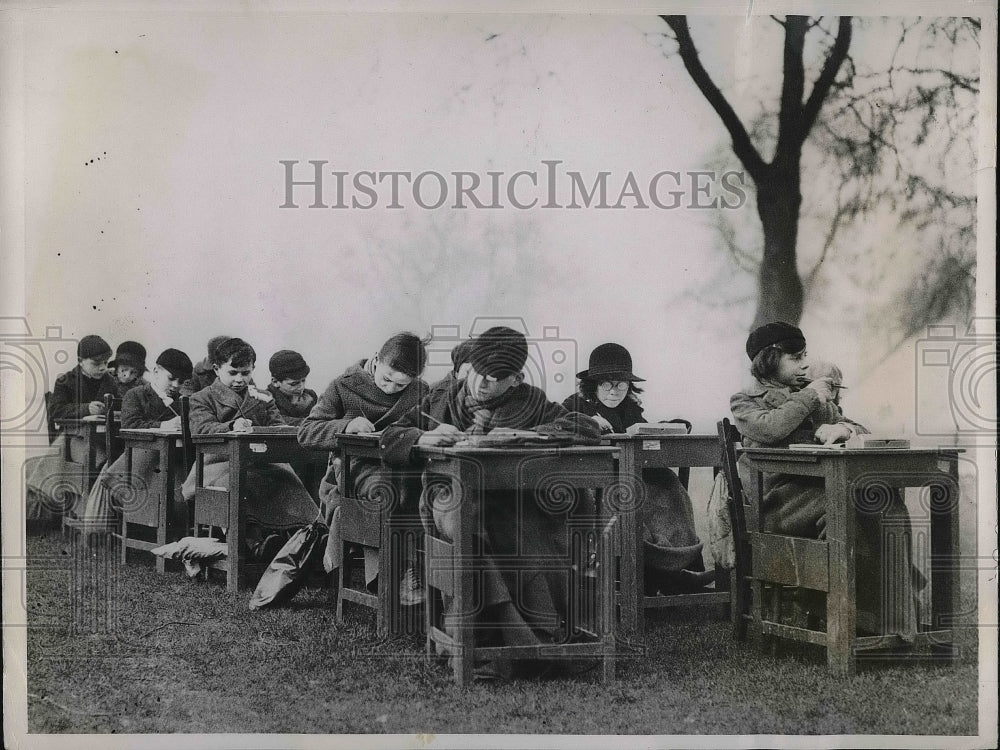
{"points": [[865, 135]]}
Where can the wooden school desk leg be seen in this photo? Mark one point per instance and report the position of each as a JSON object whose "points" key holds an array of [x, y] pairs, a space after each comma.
{"points": [[162, 493], [128, 478], [606, 548], [467, 498], [841, 604], [756, 626], [945, 588], [234, 534], [633, 577]]}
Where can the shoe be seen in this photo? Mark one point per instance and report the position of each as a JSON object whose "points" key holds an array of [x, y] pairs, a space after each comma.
{"points": [[498, 669], [411, 590]]}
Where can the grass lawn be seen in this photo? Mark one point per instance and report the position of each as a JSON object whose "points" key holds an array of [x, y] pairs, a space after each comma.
{"points": [[185, 656]]}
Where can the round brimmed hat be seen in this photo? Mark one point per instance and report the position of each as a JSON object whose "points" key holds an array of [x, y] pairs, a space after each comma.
{"points": [[176, 362], [499, 352], [93, 347], [131, 354], [288, 365], [610, 362], [784, 336]]}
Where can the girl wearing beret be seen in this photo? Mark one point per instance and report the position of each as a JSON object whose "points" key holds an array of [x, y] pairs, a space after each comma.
{"points": [[608, 392], [783, 407]]}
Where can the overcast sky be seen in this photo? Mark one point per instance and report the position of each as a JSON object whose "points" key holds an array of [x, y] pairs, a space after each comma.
{"points": [[152, 150]]}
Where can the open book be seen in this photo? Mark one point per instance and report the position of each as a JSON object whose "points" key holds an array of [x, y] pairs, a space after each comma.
{"points": [[504, 437]]}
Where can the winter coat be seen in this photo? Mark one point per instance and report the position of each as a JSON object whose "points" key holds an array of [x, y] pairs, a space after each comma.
{"points": [[276, 496], [354, 394], [73, 391], [525, 609], [293, 412]]}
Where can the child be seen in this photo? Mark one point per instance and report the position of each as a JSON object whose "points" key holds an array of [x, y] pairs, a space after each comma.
{"points": [[152, 404], [288, 380], [525, 609], [369, 396], [129, 365], [277, 499], [80, 392], [459, 361], [76, 394], [204, 371], [784, 407], [608, 393]]}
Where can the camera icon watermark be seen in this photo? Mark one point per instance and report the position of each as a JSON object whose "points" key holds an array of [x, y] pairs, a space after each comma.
{"points": [[956, 381], [552, 359], [29, 366]]}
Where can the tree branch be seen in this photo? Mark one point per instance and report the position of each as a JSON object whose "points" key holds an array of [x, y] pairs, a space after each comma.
{"points": [[826, 77], [742, 146]]}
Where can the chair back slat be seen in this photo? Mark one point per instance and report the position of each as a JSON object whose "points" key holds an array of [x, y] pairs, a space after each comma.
{"points": [[187, 450], [49, 421], [112, 423]]}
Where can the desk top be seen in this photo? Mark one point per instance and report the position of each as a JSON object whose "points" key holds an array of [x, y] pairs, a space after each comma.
{"points": [[820, 452], [514, 450], [285, 432], [621, 437], [140, 431]]}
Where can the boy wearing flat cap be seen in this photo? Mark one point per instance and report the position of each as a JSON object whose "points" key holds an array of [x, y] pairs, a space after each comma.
{"points": [[76, 394], [288, 386], [129, 365], [150, 405], [80, 392], [523, 609]]}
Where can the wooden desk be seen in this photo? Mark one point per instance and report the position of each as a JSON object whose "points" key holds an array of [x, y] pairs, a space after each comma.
{"points": [[640, 452], [150, 505], [450, 566], [215, 506], [846, 472], [83, 451]]}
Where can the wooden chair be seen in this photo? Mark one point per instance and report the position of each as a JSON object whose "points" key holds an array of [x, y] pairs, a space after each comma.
{"points": [[739, 580], [375, 524]]}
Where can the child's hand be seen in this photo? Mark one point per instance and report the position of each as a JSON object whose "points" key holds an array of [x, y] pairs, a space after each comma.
{"points": [[171, 424], [832, 433], [95, 408], [242, 425], [443, 435], [359, 425], [605, 424], [824, 388]]}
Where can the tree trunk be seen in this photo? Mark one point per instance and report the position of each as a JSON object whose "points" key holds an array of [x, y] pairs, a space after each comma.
{"points": [[779, 287]]}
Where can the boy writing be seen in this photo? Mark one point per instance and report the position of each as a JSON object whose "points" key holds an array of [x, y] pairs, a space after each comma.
{"points": [[494, 395]]}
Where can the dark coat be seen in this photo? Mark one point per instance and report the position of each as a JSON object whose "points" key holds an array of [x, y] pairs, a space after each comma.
{"points": [[623, 416], [143, 408], [525, 407], [524, 608], [73, 391], [292, 412], [202, 376]]}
